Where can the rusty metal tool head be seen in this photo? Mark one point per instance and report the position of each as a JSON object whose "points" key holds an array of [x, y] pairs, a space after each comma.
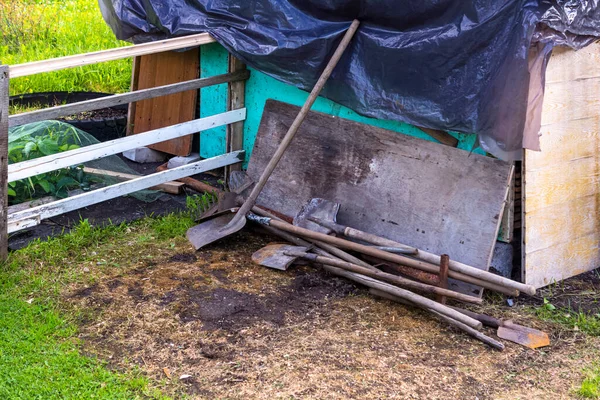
{"points": [[278, 256], [317, 208], [508, 330], [523, 335], [320, 215]]}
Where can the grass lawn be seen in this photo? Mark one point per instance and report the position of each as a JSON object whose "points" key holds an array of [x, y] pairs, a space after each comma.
{"points": [[40, 355], [35, 30]]}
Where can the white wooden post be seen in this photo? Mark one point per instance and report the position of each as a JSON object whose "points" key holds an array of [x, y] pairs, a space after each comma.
{"points": [[4, 86]]}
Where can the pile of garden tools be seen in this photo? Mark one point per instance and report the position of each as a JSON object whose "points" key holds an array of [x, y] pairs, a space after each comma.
{"points": [[389, 269]]}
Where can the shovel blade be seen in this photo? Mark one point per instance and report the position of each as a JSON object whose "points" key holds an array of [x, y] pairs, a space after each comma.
{"points": [[273, 256], [239, 182], [214, 229], [524, 336], [321, 209]]}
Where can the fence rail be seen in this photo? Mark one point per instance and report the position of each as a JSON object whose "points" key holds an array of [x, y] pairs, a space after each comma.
{"points": [[125, 98], [233, 119], [55, 64]]}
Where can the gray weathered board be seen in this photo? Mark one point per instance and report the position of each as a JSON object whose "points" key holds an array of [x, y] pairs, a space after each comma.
{"points": [[424, 194]]}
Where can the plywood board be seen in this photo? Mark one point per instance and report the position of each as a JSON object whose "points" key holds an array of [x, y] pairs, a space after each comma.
{"points": [[561, 193], [163, 69], [424, 194]]}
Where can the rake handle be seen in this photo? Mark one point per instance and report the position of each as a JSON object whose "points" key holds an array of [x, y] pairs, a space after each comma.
{"points": [[417, 300], [395, 258], [429, 258], [287, 139], [449, 320], [398, 280]]}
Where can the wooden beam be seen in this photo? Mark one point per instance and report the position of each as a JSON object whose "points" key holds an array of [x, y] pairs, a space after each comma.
{"points": [[119, 99], [441, 136], [55, 64], [167, 187], [26, 169], [236, 98], [4, 86], [135, 79], [27, 218]]}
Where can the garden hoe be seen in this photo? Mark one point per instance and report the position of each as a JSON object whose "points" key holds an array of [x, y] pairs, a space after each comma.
{"points": [[225, 225]]}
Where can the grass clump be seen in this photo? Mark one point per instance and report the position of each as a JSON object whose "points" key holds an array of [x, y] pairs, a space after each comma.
{"points": [[573, 320], [34, 30], [590, 387]]}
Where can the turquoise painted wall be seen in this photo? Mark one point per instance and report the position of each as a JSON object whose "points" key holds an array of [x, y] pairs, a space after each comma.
{"points": [[259, 88]]}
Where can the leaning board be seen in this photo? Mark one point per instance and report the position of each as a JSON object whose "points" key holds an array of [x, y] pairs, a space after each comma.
{"points": [[163, 69], [561, 199], [431, 196]]}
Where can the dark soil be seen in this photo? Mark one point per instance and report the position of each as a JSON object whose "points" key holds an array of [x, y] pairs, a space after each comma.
{"points": [[579, 293], [244, 331], [232, 311], [115, 211], [103, 114], [183, 257]]}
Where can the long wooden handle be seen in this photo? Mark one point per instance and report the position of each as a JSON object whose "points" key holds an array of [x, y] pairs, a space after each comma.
{"points": [[465, 328], [395, 279], [395, 258], [417, 300], [435, 259], [360, 278], [287, 139], [485, 319]]}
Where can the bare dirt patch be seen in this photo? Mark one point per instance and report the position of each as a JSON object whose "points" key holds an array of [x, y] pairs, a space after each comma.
{"points": [[244, 331]]}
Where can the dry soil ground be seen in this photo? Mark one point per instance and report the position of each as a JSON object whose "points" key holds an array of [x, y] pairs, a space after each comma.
{"points": [[241, 331]]}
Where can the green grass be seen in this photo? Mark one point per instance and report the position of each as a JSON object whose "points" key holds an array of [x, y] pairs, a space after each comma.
{"points": [[570, 319], [590, 387], [40, 356], [34, 30]]}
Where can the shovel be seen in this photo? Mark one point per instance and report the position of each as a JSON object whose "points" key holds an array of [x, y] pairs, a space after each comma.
{"points": [[225, 225], [508, 330], [316, 215], [281, 256]]}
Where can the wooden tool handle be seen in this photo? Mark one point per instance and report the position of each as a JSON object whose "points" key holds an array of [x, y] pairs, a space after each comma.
{"points": [[398, 280], [395, 258], [287, 139], [465, 328], [485, 319]]}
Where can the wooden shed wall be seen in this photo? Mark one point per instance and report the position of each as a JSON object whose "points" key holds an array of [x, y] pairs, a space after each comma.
{"points": [[561, 203]]}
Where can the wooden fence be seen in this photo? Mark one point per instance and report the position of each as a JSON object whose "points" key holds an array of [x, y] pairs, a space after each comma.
{"points": [[233, 119]]}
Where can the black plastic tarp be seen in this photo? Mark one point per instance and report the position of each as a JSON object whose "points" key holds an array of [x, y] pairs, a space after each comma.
{"points": [[457, 65]]}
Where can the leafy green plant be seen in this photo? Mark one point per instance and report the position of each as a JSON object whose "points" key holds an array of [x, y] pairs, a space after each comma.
{"points": [[55, 183], [196, 204]]}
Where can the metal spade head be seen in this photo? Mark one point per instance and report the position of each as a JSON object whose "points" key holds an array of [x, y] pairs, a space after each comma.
{"points": [[274, 255], [239, 182], [523, 335], [317, 208], [216, 228], [226, 202]]}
